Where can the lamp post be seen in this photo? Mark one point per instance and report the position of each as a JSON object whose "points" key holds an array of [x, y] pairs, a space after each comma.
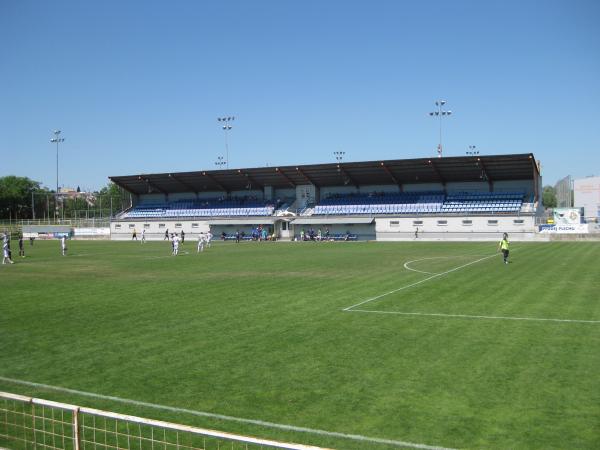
{"points": [[226, 126], [58, 140], [472, 151], [440, 113], [220, 162]]}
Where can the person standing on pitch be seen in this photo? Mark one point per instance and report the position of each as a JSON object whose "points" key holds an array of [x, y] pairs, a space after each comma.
{"points": [[182, 236], [6, 252], [63, 245], [143, 235], [209, 237], [503, 245], [134, 235], [175, 245], [166, 238], [21, 247], [200, 243]]}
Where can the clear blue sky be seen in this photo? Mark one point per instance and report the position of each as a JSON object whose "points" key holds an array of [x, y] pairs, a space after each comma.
{"points": [[136, 86]]}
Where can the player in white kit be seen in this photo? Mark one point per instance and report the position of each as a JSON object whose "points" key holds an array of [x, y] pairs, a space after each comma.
{"points": [[63, 245], [209, 237], [5, 251], [201, 241], [175, 245], [143, 235]]}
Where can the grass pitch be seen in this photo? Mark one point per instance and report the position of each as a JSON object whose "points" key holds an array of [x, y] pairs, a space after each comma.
{"points": [[434, 354]]}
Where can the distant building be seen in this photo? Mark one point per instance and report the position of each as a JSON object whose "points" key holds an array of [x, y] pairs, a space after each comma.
{"points": [[564, 192], [587, 196]]}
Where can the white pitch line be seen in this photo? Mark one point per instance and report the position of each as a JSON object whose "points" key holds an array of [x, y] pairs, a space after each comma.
{"points": [[407, 267], [355, 437], [468, 316], [167, 256], [418, 282]]}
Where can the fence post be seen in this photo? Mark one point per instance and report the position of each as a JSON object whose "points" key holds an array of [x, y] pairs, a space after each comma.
{"points": [[76, 439]]}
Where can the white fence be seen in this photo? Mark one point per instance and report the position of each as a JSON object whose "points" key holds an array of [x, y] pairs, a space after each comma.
{"points": [[32, 423]]}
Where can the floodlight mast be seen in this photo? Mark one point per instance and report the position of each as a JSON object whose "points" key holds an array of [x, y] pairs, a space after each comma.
{"points": [[57, 139], [220, 162], [472, 150], [440, 113], [339, 156], [226, 126]]}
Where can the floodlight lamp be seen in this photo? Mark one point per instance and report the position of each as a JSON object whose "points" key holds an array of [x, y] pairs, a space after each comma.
{"points": [[443, 102]]}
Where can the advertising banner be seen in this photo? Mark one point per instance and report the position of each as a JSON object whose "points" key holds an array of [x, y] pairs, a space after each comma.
{"points": [[567, 216], [92, 231], [577, 228]]}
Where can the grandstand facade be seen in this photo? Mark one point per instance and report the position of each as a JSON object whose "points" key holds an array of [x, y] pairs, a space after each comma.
{"points": [[471, 197]]}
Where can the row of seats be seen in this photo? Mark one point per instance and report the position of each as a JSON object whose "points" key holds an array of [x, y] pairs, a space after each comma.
{"points": [[428, 202], [420, 202], [141, 212], [239, 206], [379, 209]]}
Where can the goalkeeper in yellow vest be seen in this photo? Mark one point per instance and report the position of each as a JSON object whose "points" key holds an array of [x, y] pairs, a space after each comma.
{"points": [[503, 245]]}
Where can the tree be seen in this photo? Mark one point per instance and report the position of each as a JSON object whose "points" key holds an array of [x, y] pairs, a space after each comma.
{"points": [[114, 196], [549, 197], [15, 196], [112, 190]]}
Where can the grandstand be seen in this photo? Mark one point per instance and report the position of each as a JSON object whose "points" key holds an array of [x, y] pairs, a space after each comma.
{"points": [[470, 197]]}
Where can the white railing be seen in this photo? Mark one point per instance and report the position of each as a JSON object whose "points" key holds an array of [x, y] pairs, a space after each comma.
{"points": [[32, 423]]}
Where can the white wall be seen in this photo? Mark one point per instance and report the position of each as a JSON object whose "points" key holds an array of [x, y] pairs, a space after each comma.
{"points": [[123, 230], [480, 227], [587, 196]]}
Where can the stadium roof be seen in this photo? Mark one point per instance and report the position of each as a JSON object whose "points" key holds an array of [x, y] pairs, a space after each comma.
{"points": [[399, 171]]}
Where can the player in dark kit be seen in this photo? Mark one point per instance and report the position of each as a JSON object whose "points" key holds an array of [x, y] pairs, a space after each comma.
{"points": [[21, 247]]}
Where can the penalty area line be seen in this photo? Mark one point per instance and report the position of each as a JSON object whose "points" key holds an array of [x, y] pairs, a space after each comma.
{"points": [[349, 308], [469, 316], [355, 437]]}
